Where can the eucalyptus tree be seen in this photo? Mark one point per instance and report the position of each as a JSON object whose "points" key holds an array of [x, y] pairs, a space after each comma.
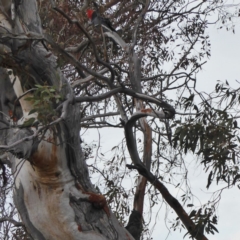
{"points": [[60, 73]]}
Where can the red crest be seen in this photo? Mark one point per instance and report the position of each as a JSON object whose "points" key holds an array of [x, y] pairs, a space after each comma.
{"points": [[89, 13]]}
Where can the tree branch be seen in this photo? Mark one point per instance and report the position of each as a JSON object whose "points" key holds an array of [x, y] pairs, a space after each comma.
{"points": [[168, 109], [138, 165], [134, 38], [15, 223], [90, 39], [173, 202], [100, 115], [88, 78]]}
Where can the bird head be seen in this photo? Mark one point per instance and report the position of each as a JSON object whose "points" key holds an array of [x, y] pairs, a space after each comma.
{"points": [[89, 13]]}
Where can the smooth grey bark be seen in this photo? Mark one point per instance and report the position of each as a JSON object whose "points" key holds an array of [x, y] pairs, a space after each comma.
{"points": [[52, 191]]}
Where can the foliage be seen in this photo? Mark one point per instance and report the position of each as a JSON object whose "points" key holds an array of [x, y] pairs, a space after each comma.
{"points": [[213, 134], [173, 44], [44, 101]]}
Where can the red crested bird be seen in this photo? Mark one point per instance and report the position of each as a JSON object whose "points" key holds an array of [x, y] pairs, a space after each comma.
{"points": [[97, 20]]}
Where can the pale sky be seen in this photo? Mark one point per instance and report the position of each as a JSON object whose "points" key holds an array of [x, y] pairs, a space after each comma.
{"points": [[224, 64]]}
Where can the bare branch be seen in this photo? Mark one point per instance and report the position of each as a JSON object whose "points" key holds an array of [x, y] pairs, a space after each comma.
{"points": [[99, 115], [15, 223], [140, 18], [77, 48], [90, 39], [88, 78], [132, 93], [111, 3], [173, 202]]}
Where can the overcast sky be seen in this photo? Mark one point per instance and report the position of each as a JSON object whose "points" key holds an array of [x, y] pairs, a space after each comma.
{"points": [[224, 64]]}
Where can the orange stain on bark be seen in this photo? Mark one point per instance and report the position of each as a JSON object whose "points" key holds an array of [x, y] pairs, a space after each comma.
{"points": [[98, 200], [147, 110], [79, 228], [45, 162], [10, 113]]}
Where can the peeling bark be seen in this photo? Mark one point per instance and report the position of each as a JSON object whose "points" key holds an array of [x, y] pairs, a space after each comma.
{"points": [[52, 188], [53, 192]]}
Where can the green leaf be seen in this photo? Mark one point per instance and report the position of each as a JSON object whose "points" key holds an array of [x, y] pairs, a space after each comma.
{"points": [[36, 102], [213, 227], [32, 111], [38, 86], [28, 123], [28, 98], [233, 158], [235, 179], [193, 213], [209, 179]]}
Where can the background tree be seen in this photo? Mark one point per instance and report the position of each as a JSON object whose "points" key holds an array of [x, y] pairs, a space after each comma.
{"points": [[60, 73]]}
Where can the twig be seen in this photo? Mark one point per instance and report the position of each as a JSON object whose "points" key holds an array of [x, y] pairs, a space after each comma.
{"points": [[15, 223]]}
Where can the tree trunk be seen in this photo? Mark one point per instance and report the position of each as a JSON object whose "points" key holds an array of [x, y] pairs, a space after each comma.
{"points": [[53, 192]]}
